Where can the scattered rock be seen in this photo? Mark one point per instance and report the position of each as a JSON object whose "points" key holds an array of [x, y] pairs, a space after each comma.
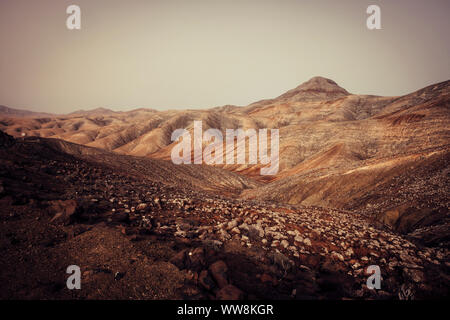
{"points": [[66, 211], [196, 258], [415, 275], [337, 256], [141, 206], [219, 272], [179, 259], [205, 280], [255, 232]]}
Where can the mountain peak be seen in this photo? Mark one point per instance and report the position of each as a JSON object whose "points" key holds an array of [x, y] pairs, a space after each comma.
{"points": [[316, 88], [96, 111], [319, 83]]}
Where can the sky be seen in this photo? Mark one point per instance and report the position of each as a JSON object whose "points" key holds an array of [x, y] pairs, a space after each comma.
{"points": [[179, 54]]}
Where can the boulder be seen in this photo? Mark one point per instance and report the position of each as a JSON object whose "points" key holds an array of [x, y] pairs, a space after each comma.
{"points": [[65, 211], [205, 280], [179, 259], [141, 206], [196, 258], [219, 272], [255, 231]]}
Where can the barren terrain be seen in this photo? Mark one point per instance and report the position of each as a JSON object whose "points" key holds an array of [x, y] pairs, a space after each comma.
{"points": [[363, 180]]}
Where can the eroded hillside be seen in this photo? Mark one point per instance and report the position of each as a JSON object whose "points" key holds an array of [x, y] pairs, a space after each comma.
{"points": [[384, 156], [137, 235]]}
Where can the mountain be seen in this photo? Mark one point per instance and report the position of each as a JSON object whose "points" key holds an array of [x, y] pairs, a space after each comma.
{"points": [[141, 228], [317, 88], [94, 112], [10, 112], [384, 157]]}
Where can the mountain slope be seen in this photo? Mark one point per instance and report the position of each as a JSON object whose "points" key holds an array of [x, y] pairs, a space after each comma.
{"points": [[136, 237], [336, 149], [11, 112]]}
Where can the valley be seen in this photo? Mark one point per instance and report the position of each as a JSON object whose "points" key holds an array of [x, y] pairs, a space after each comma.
{"points": [[362, 180]]}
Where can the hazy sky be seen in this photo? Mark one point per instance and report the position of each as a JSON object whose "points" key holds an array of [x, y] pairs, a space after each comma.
{"points": [[167, 54]]}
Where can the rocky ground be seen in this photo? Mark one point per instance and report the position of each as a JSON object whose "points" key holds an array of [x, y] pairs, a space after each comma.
{"points": [[137, 238]]}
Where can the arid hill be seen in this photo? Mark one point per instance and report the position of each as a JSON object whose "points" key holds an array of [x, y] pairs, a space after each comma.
{"points": [[382, 156], [137, 230], [19, 113]]}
